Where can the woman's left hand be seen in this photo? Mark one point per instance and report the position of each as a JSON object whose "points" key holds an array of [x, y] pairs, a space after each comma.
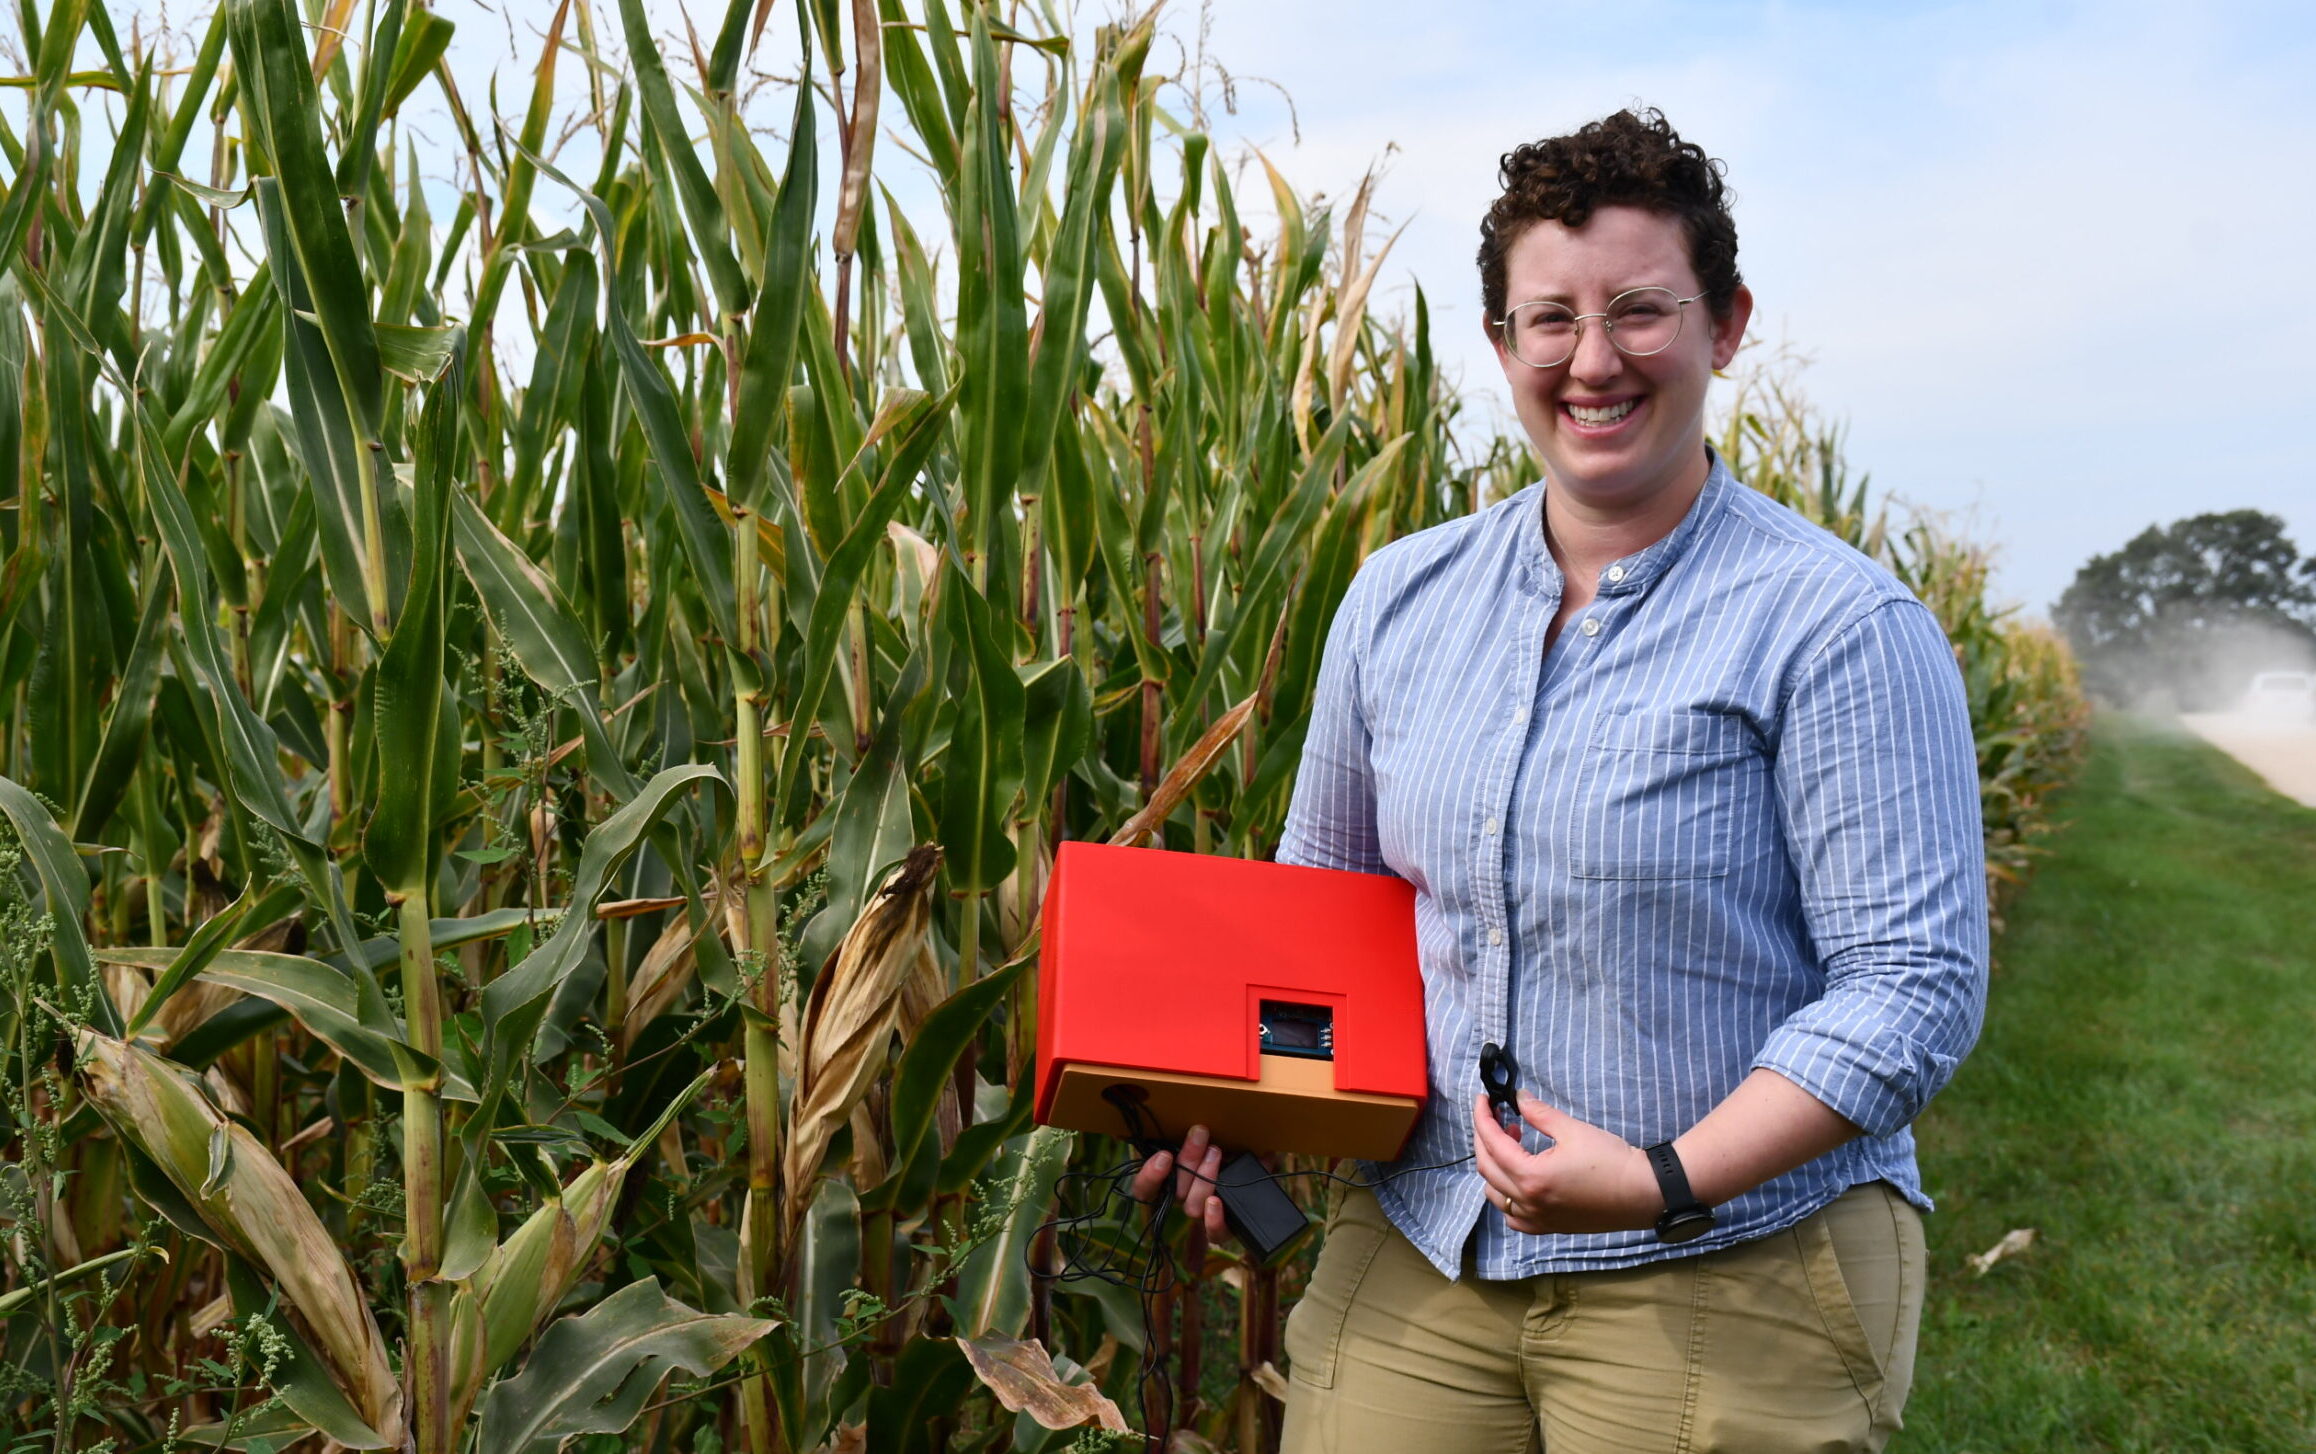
{"points": [[1589, 1181]]}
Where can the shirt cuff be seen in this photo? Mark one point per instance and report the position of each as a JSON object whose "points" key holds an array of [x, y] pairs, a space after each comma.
{"points": [[1880, 1084]]}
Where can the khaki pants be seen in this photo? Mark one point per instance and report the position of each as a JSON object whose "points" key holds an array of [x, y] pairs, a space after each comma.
{"points": [[1803, 1340]]}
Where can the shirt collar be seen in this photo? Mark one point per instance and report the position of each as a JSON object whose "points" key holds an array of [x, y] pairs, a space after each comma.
{"points": [[1636, 571]]}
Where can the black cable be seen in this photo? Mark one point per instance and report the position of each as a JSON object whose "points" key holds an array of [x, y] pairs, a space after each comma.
{"points": [[1086, 1255]]}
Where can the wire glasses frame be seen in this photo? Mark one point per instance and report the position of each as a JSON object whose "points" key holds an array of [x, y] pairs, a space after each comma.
{"points": [[1618, 314]]}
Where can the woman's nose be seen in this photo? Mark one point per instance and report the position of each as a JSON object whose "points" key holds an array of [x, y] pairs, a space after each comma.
{"points": [[1596, 358]]}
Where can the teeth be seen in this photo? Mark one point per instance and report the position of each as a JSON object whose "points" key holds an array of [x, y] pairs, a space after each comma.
{"points": [[1609, 415]]}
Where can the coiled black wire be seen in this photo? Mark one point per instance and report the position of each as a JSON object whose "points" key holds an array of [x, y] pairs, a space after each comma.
{"points": [[1089, 1250]]}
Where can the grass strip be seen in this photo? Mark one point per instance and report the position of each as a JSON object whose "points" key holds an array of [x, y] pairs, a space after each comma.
{"points": [[2145, 1097]]}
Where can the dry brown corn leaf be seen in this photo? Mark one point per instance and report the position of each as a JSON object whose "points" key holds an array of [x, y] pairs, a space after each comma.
{"points": [[1185, 773], [248, 1199], [1022, 1375], [188, 1007], [667, 967], [849, 1021]]}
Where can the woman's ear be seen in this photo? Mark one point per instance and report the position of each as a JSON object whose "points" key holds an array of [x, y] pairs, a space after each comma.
{"points": [[1495, 338], [1729, 332]]}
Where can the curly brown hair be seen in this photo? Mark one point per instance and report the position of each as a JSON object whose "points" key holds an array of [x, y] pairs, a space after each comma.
{"points": [[1626, 159]]}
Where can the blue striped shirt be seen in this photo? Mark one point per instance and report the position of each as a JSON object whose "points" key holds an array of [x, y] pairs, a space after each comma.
{"points": [[1730, 820]]}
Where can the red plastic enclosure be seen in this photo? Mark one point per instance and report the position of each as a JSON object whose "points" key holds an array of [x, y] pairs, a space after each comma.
{"points": [[1155, 965]]}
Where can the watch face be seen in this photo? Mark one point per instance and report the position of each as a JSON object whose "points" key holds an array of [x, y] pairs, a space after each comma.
{"points": [[1685, 1225]]}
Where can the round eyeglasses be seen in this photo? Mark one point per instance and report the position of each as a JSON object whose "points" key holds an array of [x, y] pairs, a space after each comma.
{"points": [[1641, 322]]}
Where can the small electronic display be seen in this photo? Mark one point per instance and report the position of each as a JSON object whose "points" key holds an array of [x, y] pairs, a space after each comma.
{"points": [[1307, 1031]]}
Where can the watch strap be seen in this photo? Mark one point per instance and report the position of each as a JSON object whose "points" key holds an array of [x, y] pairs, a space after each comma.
{"points": [[1685, 1218], [1672, 1180]]}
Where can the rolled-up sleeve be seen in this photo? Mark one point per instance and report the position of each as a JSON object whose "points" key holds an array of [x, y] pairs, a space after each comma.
{"points": [[1331, 820], [1878, 783]]}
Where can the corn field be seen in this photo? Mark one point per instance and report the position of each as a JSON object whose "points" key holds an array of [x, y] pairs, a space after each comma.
{"points": [[2027, 708], [536, 727]]}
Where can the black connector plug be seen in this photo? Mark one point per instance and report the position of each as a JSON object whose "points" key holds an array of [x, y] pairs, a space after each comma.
{"points": [[1264, 1218]]}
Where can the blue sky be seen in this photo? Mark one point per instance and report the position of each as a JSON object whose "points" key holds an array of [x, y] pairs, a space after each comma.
{"points": [[2051, 261]]}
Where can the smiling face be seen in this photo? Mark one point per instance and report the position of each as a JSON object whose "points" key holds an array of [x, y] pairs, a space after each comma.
{"points": [[1617, 435]]}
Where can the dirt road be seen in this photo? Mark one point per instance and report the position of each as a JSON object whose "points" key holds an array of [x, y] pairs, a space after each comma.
{"points": [[2280, 750]]}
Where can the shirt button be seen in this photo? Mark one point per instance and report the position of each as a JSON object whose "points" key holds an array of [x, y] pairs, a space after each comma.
{"points": [[1616, 573], [1495, 936], [1592, 625], [1520, 714], [1489, 826]]}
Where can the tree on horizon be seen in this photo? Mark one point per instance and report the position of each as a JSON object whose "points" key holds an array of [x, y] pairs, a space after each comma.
{"points": [[2194, 609]]}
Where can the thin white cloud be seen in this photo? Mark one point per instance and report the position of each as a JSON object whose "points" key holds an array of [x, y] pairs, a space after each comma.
{"points": [[2048, 259]]}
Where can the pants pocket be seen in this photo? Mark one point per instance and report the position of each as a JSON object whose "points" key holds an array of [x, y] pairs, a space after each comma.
{"points": [[1314, 1333], [1863, 1258], [1835, 1308]]}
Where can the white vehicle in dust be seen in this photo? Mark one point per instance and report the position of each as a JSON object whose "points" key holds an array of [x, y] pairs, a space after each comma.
{"points": [[2287, 695]]}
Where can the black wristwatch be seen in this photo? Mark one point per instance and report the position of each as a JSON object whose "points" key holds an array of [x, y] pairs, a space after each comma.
{"points": [[1685, 1218]]}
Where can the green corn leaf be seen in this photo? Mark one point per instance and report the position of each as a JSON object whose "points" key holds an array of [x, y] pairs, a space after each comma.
{"points": [[566, 354], [1283, 550], [875, 825], [346, 1012], [51, 71], [982, 773], [255, 909], [1095, 151], [992, 1296], [920, 94], [724, 57], [247, 338], [416, 354], [449, 933], [515, 1002], [16, 1298], [299, 1375], [522, 175], [125, 729], [992, 323], [541, 629], [273, 69], [925, 1070], [425, 36], [1057, 725], [358, 144], [470, 1225], [324, 430], [765, 367], [64, 896], [673, 156], [912, 428], [701, 534], [525, 601], [593, 1372], [399, 843]]}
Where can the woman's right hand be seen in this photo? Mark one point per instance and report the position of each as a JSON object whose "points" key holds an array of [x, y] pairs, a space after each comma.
{"points": [[1194, 1172]]}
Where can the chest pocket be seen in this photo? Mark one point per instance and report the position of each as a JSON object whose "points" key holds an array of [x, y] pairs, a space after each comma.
{"points": [[1665, 794]]}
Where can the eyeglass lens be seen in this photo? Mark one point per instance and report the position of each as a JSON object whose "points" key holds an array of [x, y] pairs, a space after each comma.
{"points": [[1641, 322]]}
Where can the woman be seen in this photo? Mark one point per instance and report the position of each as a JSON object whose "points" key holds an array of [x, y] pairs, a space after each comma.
{"points": [[1687, 792]]}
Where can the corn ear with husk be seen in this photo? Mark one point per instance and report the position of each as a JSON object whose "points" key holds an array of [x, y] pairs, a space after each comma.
{"points": [[248, 1201], [525, 1278], [848, 1023]]}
